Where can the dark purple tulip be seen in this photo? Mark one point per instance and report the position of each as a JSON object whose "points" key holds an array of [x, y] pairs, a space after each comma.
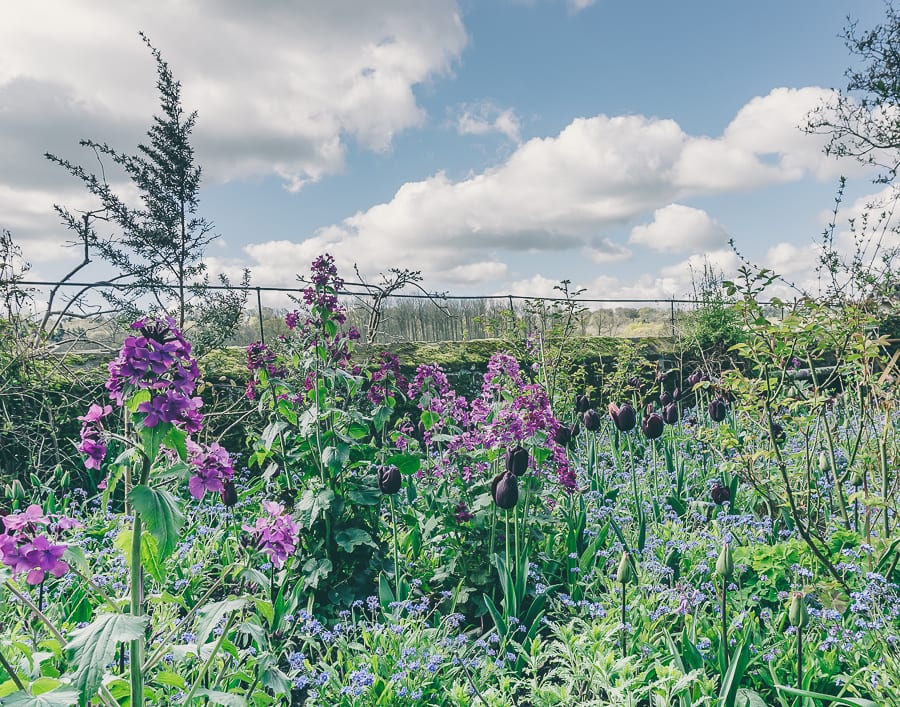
{"points": [[229, 494], [778, 432], [563, 435], [720, 494], [517, 460], [717, 409], [582, 404], [505, 490], [624, 417], [676, 394], [665, 398], [670, 414], [592, 420], [652, 426], [389, 479]]}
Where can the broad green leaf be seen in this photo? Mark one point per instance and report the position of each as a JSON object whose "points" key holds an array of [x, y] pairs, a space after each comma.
{"points": [[336, 457], [312, 504], [212, 614], [315, 571], [161, 512], [177, 439], [94, 647], [849, 701], [59, 697], [349, 538], [406, 463], [221, 698], [749, 698]]}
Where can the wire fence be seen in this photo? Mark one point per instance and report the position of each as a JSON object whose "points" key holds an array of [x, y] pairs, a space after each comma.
{"points": [[408, 317]]}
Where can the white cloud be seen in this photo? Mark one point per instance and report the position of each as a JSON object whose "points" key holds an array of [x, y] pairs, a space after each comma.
{"points": [[484, 118], [605, 251], [560, 193], [680, 229]]}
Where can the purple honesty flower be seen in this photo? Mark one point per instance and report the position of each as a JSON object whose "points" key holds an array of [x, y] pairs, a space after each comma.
{"points": [[92, 444], [276, 533], [212, 468], [23, 550], [172, 407]]}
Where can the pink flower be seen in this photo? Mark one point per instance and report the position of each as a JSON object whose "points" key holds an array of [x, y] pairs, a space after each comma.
{"points": [[276, 533]]}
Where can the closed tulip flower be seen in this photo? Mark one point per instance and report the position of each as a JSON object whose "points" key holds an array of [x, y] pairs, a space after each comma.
{"points": [[517, 460], [717, 409], [665, 398], [505, 490], [798, 614], [575, 429], [670, 414], [720, 494], [592, 420], [625, 573], [582, 404], [389, 479], [229, 494], [624, 417], [652, 426], [562, 435], [725, 563]]}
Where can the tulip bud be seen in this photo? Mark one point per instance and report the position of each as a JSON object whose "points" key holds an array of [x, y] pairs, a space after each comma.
{"points": [[695, 378], [16, 491], [670, 414], [824, 462], [582, 404], [517, 460], [797, 613], [505, 490], [720, 494], [676, 394], [665, 398], [389, 479], [562, 435], [725, 563], [652, 426], [229, 494], [625, 572], [624, 417], [592, 420], [717, 409]]}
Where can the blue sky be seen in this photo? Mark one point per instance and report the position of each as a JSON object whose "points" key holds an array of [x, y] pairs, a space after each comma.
{"points": [[497, 145]]}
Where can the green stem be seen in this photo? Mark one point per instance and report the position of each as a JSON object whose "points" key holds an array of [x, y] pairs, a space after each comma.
{"points": [[725, 619], [205, 668], [37, 612], [624, 639], [799, 658], [396, 551], [137, 645], [12, 673]]}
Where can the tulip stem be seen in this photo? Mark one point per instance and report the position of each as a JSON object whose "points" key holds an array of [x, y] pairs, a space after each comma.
{"points": [[396, 550], [624, 639], [799, 657], [506, 535], [725, 619]]}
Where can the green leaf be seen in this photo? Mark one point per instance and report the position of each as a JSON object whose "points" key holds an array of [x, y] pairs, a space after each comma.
{"points": [[406, 463], [349, 538], [336, 457], [60, 697], [94, 647], [749, 698], [212, 614], [150, 558], [315, 571], [358, 431], [220, 698], [161, 512], [381, 416], [733, 676], [177, 439], [849, 701], [312, 504]]}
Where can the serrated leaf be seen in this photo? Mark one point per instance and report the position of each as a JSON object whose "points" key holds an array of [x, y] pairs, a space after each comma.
{"points": [[94, 646], [312, 504], [315, 571], [161, 512], [212, 614], [60, 697], [349, 538], [221, 698]]}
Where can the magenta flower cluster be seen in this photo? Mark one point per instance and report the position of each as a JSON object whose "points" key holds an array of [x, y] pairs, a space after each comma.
{"points": [[26, 548], [385, 380], [158, 358], [275, 533], [212, 468], [92, 444]]}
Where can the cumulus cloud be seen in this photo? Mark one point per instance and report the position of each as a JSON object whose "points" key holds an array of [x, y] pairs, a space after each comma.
{"points": [[280, 87], [560, 193], [484, 118], [680, 229]]}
